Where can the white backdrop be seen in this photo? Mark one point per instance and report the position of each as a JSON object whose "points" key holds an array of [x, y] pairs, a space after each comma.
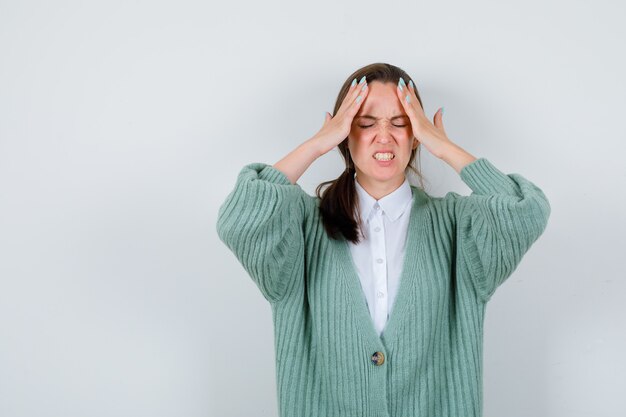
{"points": [[123, 126]]}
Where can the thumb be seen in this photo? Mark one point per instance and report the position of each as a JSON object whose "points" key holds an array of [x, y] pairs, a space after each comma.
{"points": [[438, 119], [327, 117]]}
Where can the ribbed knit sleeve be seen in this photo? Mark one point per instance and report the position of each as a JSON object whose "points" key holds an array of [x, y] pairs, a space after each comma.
{"points": [[497, 223], [261, 223]]}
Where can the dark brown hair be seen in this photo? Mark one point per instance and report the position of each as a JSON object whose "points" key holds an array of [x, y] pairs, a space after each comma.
{"points": [[339, 202]]}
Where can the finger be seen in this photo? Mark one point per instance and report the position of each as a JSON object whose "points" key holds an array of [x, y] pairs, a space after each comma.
{"points": [[359, 99], [354, 91], [362, 91], [438, 119], [350, 96], [403, 92], [407, 95]]}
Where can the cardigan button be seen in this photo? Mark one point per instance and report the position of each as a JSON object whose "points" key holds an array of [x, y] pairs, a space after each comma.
{"points": [[378, 358]]}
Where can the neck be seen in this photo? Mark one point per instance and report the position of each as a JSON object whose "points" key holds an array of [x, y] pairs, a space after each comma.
{"points": [[379, 189]]}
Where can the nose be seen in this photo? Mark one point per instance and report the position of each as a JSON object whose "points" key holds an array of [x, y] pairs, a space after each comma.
{"points": [[383, 134]]}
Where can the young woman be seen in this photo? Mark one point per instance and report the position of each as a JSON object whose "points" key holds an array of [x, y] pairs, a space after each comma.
{"points": [[378, 290]]}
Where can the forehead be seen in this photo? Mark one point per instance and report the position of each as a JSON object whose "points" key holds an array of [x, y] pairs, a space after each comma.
{"points": [[381, 101]]}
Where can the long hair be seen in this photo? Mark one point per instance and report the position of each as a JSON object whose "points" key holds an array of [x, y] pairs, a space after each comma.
{"points": [[338, 201]]}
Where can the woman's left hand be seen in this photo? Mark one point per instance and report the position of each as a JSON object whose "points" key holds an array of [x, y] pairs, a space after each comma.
{"points": [[431, 135]]}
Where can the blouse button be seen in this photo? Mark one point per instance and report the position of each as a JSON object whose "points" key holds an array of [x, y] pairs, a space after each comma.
{"points": [[377, 229], [378, 358]]}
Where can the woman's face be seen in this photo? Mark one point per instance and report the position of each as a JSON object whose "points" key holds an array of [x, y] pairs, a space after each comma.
{"points": [[381, 124]]}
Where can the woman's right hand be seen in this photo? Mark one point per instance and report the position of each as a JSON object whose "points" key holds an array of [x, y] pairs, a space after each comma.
{"points": [[337, 128]]}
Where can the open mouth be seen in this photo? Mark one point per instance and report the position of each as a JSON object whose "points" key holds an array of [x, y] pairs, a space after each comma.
{"points": [[383, 156]]}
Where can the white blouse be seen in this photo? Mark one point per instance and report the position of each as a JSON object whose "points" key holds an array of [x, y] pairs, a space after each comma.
{"points": [[380, 254]]}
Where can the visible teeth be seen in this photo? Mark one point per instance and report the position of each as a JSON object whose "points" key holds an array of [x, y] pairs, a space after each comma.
{"points": [[384, 156]]}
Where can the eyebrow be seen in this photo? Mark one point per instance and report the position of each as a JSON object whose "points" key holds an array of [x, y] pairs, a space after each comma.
{"points": [[367, 116]]}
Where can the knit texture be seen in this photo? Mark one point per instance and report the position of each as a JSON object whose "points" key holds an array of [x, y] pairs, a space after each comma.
{"points": [[459, 250]]}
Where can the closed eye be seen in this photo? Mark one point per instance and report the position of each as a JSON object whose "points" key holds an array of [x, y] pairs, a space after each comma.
{"points": [[365, 127]]}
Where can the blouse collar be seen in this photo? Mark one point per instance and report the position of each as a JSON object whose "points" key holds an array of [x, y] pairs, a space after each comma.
{"points": [[393, 204]]}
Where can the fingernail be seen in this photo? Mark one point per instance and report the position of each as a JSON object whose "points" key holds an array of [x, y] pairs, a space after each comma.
{"points": [[411, 84], [400, 84], [362, 80], [353, 83], [442, 111], [407, 98], [364, 87], [358, 99]]}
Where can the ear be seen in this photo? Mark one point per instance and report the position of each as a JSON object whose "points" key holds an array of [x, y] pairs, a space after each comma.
{"points": [[415, 143]]}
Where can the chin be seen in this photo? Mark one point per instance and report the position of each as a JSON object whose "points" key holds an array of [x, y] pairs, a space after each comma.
{"points": [[383, 175]]}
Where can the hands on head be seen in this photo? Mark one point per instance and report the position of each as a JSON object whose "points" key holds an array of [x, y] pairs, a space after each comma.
{"points": [[432, 135], [337, 128]]}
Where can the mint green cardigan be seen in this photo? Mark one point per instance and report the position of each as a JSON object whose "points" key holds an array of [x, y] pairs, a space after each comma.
{"points": [[330, 361]]}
